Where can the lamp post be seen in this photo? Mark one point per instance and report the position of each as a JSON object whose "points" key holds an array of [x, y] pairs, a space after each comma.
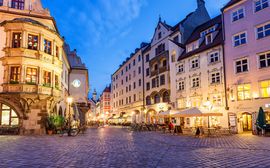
{"points": [[69, 101]]}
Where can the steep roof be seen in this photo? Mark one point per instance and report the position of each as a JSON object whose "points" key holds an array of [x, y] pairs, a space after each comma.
{"points": [[218, 39], [230, 3], [107, 89], [74, 60]]}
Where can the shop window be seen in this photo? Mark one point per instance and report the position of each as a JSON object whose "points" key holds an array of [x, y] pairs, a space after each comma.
{"points": [[8, 116], [15, 74], [32, 42], [17, 4], [243, 92], [47, 46], [16, 40], [265, 88], [31, 75]]}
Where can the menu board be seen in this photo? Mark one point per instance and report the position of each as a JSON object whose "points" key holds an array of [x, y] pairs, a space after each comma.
{"points": [[232, 120]]}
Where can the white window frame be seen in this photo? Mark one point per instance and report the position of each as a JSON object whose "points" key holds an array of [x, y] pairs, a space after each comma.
{"points": [[235, 66], [239, 34], [181, 85], [214, 54], [215, 77], [238, 14], [263, 30], [196, 80], [265, 59], [243, 91], [180, 66], [206, 39], [261, 5], [198, 62]]}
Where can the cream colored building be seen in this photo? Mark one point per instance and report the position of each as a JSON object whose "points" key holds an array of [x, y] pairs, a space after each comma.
{"points": [[127, 87], [197, 76], [31, 65]]}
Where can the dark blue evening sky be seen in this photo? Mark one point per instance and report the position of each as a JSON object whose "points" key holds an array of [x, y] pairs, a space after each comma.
{"points": [[105, 32]]}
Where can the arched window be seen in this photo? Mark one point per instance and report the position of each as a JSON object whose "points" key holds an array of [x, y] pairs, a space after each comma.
{"points": [[8, 116], [157, 98], [166, 97], [148, 100]]}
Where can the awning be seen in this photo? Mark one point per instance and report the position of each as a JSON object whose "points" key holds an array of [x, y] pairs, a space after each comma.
{"points": [[167, 113], [195, 112]]}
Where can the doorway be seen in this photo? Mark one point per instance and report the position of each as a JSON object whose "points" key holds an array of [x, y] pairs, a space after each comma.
{"points": [[247, 122]]}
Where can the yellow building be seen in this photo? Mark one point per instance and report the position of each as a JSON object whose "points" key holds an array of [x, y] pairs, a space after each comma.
{"points": [[30, 65]]}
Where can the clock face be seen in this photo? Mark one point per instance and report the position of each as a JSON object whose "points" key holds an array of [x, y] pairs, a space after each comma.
{"points": [[76, 83]]}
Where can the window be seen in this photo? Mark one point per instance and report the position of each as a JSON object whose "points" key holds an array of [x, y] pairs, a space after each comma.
{"points": [[15, 74], [162, 80], [129, 76], [147, 58], [134, 97], [208, 39], [147, 72], [129, 99], [195, 63], [32, 42], [173, 57], [139, 58], [214, 57], [181, 103], [264, 60], [160, 49], [217, 100], [180, 68], [241, 65], [139, 70], [46, 78], [261, 4], [1, 2], [129, 87], [126, 89], [16, 41], [148, 100], [240, 39], [126, 78], [134, 85], [159, 35], [166, 97], [57, 51], [156, 67], [154, 83], [140, 82], [215, 77], [8, 117], [129, 66], [148, 86], [176, 39], [265, 88], [31, 75], [17, 4], [56, 82], [181, 85], [205, 32], [47, 46], [134, 62], [243, 92], [263, 31], [134, 74], [238, 14], [195, 82], [126, 68], [156, 99], [164, 63]]}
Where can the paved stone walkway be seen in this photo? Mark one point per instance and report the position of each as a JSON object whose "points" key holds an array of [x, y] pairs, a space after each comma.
{"points": [[120, 148]]}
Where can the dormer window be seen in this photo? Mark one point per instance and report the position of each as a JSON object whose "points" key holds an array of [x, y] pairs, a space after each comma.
{"points": [[210, 30], [208, 39], [17, 4], [176, 39]]}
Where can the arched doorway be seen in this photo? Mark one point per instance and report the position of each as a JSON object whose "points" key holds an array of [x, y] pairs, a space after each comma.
{"points": [[8, 116], [247, 121]]}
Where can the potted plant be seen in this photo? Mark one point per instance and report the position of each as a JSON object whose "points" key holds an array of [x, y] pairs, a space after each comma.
{"points": [[50, 125]]}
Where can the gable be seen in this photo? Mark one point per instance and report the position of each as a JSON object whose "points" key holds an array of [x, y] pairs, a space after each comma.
{"points": [[162, 30]]}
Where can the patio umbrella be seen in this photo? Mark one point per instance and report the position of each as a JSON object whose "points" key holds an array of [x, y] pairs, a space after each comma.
{"points": [[261, 122]]}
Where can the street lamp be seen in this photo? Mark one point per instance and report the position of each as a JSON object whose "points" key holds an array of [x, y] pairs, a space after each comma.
{"points": [[69, 101]]}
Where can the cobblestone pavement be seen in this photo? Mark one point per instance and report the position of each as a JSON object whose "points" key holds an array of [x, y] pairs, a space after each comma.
{"points": [[117, 148]]}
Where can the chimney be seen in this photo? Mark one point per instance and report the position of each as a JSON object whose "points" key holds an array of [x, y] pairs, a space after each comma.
{"points": [[200, 3]]}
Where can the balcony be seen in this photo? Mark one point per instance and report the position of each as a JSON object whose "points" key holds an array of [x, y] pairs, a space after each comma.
{"points": [[25, 88]]}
